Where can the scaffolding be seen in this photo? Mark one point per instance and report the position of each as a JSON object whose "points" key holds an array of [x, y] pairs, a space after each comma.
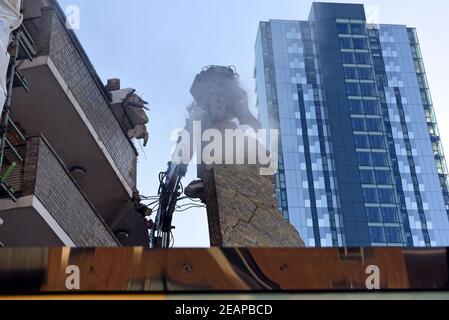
{"points": [[21, 47]]}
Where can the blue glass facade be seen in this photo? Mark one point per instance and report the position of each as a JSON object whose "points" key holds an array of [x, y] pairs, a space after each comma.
{"points": [[361, 161]]}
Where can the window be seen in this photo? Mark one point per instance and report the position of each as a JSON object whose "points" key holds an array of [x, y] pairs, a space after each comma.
{"points": [[350, 73], [380, 159], [371, 107], [370, 195], [383, 177], [377, 234], [342, 28], [367, 177], [377, 142], [390, 215], [364, 158], [348, 58], [282, 177], [361, 141], [374, 125], [353, 89], [366, 74], [368, 89], [355, 107], [346, 43], [360, 44], [283, 196], [373, 215], [358, 29], [362, 58], [386, 196], [393, 235], [358, 124]]}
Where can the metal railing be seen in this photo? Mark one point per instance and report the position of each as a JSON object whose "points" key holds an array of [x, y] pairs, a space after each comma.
{"points": [[10, 135]]}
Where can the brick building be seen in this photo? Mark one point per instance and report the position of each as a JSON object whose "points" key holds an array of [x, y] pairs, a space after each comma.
{"points": [[73, 177]]}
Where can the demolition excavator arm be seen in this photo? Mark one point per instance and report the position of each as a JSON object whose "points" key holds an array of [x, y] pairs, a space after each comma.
{"points": [[218, 101]]}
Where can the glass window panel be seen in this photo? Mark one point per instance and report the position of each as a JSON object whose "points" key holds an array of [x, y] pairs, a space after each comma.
{"points": [[390, 215], [371, 107], [348, 58], [373, 215], [386, 196], [370, 195], [360, 44], [374, 125], [343, 28], [377, 234], [356, 106], [358, 29], [393, 235], [361, 141], [365, 74], [350, 73], [380, 159], [346, 43], [362, 58], [367, 177], [364, 158], [358, 124], [383, 177], [353, 89], [377, 142], [368, 89]]}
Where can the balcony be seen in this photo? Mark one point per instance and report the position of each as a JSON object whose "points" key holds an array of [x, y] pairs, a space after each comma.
{"points": [[69, 105], [51, 208]]}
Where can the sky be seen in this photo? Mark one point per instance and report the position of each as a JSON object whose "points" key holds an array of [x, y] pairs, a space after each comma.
{"points": [[157, 47]]}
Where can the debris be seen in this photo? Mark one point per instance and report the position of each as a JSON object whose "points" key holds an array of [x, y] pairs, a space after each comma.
{"points": [[130, 110]]}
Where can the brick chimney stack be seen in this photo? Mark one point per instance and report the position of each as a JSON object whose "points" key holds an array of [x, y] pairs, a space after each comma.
{"points": [[113, 85]]}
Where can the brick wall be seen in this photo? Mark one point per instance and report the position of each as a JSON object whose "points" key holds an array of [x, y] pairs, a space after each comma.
{"points": [[47, 178], [242, 208], [54, 40]]}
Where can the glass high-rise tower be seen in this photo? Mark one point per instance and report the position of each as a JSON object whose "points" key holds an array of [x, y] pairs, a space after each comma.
{"points": [[361, 161]]}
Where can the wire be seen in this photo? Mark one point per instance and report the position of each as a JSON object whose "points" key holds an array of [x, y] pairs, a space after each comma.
{"points": [[196, 201], [152, 203], [148, 197], [189, 205], [191, 199], [189, 208], [192, 202]]}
